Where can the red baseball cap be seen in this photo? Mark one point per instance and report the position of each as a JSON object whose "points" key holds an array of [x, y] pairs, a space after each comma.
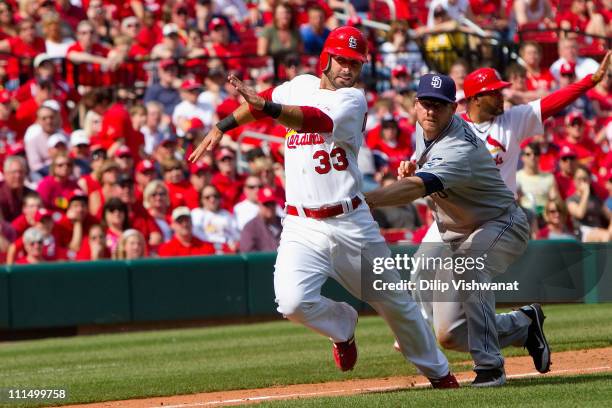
{"points": [[266, 195], [41, 214], [567, 151], [77, 194], [195, 124], [354, 21], [567, 68], [572, 116], [199, 166], [224, 152], [216, 22], [399, 70], [123, 151], [145, 165], [190, 84]]}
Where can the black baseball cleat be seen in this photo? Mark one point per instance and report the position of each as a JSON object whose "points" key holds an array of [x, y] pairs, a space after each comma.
{"points": [[536, 342], [489, 378]]}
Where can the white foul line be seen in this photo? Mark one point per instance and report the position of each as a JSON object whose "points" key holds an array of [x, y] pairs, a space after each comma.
{"points": [[372, 389]]}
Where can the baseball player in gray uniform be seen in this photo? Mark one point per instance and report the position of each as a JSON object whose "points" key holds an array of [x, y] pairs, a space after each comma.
{"points": [[478, 218]]}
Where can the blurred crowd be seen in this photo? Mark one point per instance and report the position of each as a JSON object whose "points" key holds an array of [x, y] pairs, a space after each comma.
{"points": [[101, 101]]}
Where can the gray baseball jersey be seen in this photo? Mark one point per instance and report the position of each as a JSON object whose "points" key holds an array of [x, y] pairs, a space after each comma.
{"points": [[461, 179]]}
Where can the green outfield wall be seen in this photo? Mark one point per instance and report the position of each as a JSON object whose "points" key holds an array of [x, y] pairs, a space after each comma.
{"points": [[217, 287]]}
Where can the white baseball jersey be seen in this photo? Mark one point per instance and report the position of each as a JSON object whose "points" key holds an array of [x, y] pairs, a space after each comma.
{"points": [[504, 134], [321, 168]]}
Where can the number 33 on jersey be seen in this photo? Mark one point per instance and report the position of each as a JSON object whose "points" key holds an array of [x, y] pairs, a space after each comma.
{"points": [[321, 168]]}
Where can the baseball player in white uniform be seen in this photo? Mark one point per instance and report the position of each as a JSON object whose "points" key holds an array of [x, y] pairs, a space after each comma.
{"points": [[477, 217], [329, 231]]}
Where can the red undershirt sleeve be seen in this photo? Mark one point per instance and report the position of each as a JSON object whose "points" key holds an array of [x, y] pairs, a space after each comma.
{"points": [[556, 101], [315, 121]]}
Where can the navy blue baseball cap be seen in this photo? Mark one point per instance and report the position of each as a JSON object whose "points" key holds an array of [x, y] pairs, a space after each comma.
{"points": [[437, 86]]}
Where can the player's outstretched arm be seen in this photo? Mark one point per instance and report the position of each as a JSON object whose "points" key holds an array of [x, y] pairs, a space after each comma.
{"points": [[401, 192], [300, 118]]}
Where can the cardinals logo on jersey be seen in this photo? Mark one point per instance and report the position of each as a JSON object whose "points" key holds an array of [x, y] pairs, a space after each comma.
{"points": [[295, 139], [496, 148]]}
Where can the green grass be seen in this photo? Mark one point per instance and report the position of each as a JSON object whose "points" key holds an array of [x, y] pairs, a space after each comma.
{"points": [[594, 390], [171, 362]]}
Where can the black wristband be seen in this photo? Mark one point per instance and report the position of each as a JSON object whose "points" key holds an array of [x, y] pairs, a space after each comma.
{"points": [[272, 109], [227, 123]]}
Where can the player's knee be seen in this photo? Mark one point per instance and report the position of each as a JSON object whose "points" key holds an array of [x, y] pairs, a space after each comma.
{"points": [[447, 339], [294, 310]]}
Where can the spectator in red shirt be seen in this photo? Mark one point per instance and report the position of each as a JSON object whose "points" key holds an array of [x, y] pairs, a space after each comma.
{"points": [[601, 99], [74, 226], [33, 243], [582, 17], [556, 217], [156, 200], [220, 45], [94, 247], [57, 186], [132, 245], [88, 60], [391, 147], [183, 243], [31, 204], [138, 215], [115, 219], [200, 175], [174, 178], [23, 48], [578, 140], [43, 222], [13, 189], [568, 164], [538, 78], [107, 177], [45, 71], [125, 161], [89, 182], [227, 180], [70, 13], [145, 173]]}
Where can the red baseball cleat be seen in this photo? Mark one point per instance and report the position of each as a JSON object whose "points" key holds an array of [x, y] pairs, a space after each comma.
{"points": [[345, 354], [448, 381]]}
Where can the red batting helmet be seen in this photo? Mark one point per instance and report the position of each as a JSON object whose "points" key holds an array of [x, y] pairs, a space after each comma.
{"points": [[347, 42], [483, 80]]}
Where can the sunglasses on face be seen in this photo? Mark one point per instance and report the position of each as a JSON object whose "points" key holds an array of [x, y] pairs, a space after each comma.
{"points": [[36, 242], [552, 211], [568, 158], [211, 196], [158, 194], [253, 186]]}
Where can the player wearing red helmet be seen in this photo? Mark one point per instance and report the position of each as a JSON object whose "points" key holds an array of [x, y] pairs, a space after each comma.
{"points": [[329, 230]]}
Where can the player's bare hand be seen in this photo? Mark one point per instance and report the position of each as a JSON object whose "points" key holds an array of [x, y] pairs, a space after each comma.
{"points": [[406, 169], [210, 141], [249, 94], [603, 68]]}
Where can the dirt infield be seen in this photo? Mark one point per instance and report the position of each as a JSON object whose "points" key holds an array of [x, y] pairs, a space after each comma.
{"points": [[565, 363]]}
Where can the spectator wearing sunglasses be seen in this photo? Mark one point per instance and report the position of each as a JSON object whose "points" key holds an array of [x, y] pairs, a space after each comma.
{"points": [[535, 186], [214, 224], [556, 218]]}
